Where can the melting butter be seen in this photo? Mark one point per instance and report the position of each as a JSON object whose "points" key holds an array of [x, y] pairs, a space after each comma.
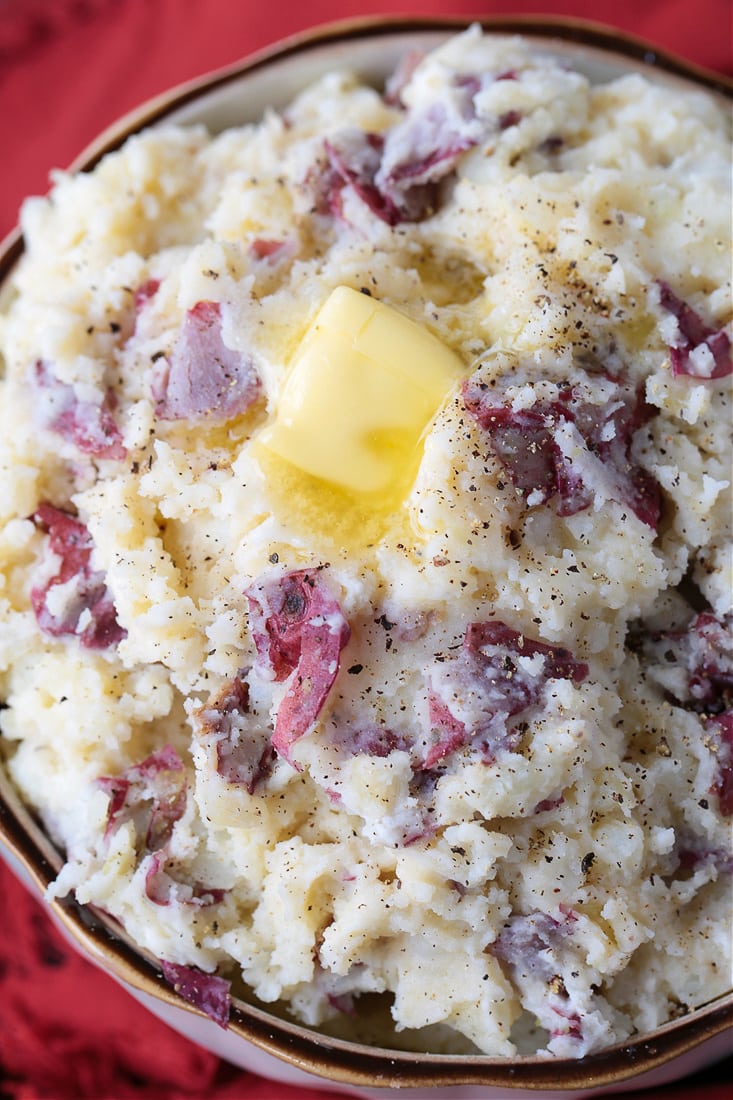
{"points": [[363, 387]]}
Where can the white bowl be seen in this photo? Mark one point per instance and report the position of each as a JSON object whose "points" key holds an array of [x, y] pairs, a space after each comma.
{"points": [[256, 1039]]}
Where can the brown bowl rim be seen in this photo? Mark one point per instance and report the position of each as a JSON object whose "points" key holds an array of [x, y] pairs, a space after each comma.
{"points": [[341, 1061], [586, 32]]}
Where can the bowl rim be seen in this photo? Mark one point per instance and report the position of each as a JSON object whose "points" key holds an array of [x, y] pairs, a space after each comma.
{"points": [[586, 32], [349, 1063], [342, 1061]]}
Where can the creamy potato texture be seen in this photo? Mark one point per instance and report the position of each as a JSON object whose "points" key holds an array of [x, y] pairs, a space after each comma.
{"points": [[427, 741]]}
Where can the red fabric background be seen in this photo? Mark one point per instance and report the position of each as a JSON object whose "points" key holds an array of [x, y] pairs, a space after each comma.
{"points": [[67, 69]]}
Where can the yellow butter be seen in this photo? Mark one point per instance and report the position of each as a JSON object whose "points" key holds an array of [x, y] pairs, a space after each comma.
{"points": [[362, 388]]}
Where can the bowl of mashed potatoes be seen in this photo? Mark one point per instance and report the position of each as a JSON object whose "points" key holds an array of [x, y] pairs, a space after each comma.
{"points": [[366, 638]]}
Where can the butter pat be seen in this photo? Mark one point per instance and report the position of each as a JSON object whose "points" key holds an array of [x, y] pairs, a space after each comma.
{"points": [[363, 386]]}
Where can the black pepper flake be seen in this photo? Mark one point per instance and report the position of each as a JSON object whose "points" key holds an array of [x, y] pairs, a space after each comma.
{"points": [[587, 862], [274, 558], [355, 670]]}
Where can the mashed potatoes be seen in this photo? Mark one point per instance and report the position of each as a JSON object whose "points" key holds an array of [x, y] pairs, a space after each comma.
{"points": [[434, 750]]}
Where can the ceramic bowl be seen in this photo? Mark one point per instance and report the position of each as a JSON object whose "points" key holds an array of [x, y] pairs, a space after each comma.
{"points": [[256, 1039]]}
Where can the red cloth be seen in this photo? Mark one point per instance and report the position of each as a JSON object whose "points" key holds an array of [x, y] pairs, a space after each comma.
{"points": [[68, 1032], [68, 68]]}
